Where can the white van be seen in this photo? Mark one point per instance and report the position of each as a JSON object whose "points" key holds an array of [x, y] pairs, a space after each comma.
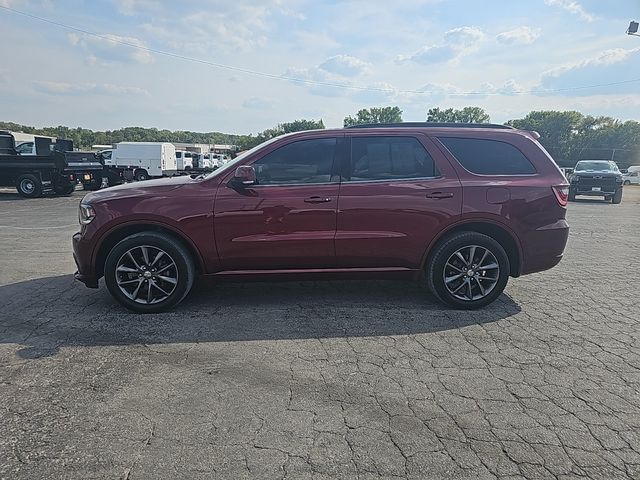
{"points": [[184, 159], [145, 159]]}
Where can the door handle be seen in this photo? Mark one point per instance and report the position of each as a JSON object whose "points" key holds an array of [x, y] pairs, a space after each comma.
{"points": [[317, 200], [440, 195]]}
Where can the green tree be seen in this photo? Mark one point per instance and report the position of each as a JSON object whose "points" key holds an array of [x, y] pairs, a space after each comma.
{"points": [[280, 129], [375, 115], [570, 136], [465, 115]]}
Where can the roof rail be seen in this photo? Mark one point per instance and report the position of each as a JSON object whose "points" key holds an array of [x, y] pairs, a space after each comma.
{"points": [[431, 125]]}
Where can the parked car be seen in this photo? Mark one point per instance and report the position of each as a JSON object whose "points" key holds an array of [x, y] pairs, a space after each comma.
{"points": [[463, 206], [600, 178], [631, 176]]}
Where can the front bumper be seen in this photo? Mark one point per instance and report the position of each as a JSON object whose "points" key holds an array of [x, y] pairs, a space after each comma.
{"points": [[82, 256]]}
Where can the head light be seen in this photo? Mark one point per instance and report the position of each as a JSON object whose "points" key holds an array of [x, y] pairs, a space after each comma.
{"points": [[86, 213]]}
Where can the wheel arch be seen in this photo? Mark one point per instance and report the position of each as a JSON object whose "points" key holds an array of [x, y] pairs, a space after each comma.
{"points": [[113, 237], [500, 233]]}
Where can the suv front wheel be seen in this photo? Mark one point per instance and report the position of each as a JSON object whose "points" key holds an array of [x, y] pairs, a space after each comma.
{"points": [[149, 272], [468, 270]]}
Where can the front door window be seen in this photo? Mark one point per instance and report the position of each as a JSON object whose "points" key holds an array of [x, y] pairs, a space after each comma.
{"points": [[302, 162]]}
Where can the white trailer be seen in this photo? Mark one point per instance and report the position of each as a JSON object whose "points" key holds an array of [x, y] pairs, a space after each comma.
{"points": [[144, 159]]}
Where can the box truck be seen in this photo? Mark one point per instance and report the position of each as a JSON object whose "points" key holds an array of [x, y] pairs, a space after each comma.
{"points": [[143, 159]]}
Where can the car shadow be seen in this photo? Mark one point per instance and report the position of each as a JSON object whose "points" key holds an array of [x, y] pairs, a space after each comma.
{"points": [[46, 314], [6, 196]]}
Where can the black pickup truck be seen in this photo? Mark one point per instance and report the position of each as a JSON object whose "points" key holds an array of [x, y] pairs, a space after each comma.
{"points": [[54, 168], [600, 178]]}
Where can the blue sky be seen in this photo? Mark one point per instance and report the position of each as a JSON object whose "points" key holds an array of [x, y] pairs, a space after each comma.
{"points": [[508, 57]]}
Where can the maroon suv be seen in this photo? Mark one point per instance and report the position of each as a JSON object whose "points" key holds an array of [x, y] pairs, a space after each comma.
{"points": [[462, 206]]}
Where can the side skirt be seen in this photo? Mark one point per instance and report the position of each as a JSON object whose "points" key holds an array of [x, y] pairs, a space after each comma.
{"points": [[380, 273]]}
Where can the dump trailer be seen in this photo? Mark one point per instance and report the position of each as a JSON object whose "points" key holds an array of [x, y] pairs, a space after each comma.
{"points": [[54, 168]]}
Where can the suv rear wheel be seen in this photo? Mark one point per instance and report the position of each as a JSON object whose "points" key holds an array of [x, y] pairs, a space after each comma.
{"points": [[468, 270], [149, 272]]}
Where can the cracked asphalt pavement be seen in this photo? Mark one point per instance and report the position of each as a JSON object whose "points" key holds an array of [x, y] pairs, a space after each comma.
{"points": [[362, 379]]}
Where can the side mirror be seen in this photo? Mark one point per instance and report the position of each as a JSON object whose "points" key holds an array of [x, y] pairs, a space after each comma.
{"points": [[244, 177]]}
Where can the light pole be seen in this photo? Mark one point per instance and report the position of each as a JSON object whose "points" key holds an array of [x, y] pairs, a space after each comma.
{"points": [[633, 29]]}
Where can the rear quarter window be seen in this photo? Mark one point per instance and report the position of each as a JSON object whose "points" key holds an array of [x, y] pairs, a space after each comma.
{"points": [[488, 157]]}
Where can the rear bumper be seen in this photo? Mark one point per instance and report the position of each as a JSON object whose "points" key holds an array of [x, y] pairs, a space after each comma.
{"points": [[592, 193], [544, 247], [90, 282], [82, 256]]}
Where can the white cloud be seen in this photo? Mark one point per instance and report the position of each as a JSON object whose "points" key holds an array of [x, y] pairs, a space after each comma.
{"points": [[609, 67], [345, 65], [333, 71], [211, 27], [510, 87], [258, 103], [380, 92], [301, 76], [463, 37], [457, 43], [63, 88], [571, 6], [112, 48], [316, 40], [131, 7], [608, 57], [519, 36]]}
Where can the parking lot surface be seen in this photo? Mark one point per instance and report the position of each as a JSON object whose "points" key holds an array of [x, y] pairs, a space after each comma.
{"points": [[321, 379]]}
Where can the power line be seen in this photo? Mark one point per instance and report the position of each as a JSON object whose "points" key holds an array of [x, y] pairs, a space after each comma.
{"points": [[113, 39]]}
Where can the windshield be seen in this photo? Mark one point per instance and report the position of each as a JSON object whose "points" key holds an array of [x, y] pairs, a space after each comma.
{"points": [[599, 166], [231, 164]]}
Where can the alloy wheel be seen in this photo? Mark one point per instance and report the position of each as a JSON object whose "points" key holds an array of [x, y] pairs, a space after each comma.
{"points": [[146, 274], [471, 273]]}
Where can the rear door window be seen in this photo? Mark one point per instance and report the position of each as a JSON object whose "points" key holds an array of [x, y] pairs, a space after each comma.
{"points": [[389, 158], [488, 157]]}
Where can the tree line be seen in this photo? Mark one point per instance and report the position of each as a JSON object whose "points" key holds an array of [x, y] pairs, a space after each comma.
{"points": [[568, 136]]}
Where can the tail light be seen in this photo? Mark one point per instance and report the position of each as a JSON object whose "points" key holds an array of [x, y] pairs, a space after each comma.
{"points": [[562, 194]]}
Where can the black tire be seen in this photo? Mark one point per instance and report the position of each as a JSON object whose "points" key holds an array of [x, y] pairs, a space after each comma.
{"points": [[627, 182], [91, 187], [435, 270], [177, 252], [141, 175], [29, 186], [572, 195], [64, 189], [617, 198]]}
